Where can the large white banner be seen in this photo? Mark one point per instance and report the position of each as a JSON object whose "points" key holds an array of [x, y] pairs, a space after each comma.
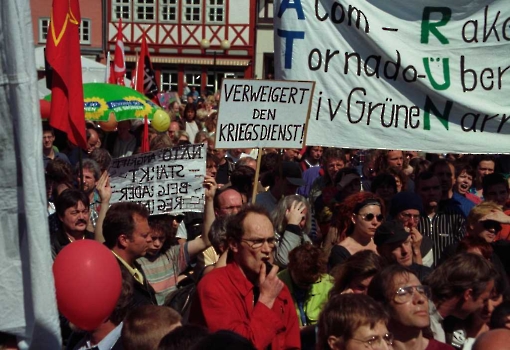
{"points": [[396, 74], [263, 113], [165, 181]]}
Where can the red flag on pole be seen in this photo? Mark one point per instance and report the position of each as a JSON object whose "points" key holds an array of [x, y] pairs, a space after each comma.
{"points": [[63, 54], [119, 61], [145, 76]]}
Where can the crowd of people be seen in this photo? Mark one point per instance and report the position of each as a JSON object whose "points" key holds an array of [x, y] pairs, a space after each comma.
{"points": [[343, 248]]}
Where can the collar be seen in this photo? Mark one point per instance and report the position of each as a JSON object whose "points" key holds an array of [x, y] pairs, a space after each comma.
{"points": [[434, 313], [132, 270], [108, 342], [239, 280]]}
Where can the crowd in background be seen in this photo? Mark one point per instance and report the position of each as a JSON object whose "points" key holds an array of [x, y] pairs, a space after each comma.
{"points": [[343, 249]]}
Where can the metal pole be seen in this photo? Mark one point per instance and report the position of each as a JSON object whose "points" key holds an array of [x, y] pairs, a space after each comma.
{"points": [[214, 71]]}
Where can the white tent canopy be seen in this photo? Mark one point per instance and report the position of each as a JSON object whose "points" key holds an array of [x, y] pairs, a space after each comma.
{"points": [[92, 71]]}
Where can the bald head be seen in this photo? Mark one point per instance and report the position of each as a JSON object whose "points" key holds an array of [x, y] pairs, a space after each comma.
{"points": [[495, 339], [227, 202], [172, 129]]}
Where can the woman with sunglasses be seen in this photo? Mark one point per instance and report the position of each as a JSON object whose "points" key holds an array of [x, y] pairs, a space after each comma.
{"points": [[357, 219], [353, 322], [406, 298], [484, 221]]}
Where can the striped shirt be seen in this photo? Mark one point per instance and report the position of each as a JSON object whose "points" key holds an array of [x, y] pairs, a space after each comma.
{"points": [[448, 226], [162, 271]]}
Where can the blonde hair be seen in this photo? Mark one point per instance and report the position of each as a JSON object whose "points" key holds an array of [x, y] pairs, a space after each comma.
{"points": [[480, 210]]}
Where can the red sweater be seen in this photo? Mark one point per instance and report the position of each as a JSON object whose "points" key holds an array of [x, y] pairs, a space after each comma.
{"points": [[225, 301]]}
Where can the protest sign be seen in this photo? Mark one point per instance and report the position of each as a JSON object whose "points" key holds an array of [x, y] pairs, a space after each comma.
{"points": [[165, 181], [428, 75], [263, 113]]}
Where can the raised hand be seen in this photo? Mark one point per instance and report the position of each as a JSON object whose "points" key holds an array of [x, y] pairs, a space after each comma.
{"points": [[103, 187], [294, 214], [497, 215], [210, 186]]}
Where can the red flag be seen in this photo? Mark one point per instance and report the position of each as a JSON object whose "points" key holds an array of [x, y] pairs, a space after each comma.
{"points": [[63, 54], [145, 76], [119, 61]]}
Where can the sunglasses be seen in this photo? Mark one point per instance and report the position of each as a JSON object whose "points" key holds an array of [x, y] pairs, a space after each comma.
{"points": [[491, 224], [370, 217]]}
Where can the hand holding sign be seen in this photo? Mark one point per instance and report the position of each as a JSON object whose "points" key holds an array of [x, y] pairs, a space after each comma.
{"points": [[210, 186]]}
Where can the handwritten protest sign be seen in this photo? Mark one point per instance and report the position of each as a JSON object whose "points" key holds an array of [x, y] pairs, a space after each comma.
{"points": [[426, 75], [263, 113], [165, 181]]}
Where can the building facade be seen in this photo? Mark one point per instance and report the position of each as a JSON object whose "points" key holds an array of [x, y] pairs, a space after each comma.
{"points": [[264, 59], [92, 31], [193, 42]]}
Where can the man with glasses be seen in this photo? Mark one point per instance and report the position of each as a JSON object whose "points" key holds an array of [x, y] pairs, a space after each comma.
{"points": [[408, 301], [406, 208], [246, 296], [395, 244], [227, 201]]}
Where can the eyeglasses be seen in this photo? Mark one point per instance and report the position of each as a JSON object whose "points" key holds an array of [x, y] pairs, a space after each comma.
{"points": [[491, 224], [370, 217], [376, 341], [408, 216], [405, 294], [258, 243]]}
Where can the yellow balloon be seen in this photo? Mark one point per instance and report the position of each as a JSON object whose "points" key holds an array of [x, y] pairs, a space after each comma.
{"points": [[160, 120]]}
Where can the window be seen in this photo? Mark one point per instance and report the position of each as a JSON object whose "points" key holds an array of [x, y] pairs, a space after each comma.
{"points": [[193, 78], [169, 81], [145, 10], [121, 9], [215, 11], [44, 24], [168, 10], [192, 11], [266, 11], [84, 31]]}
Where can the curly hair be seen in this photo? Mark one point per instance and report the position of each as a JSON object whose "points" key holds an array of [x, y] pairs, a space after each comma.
{"points": [[343, 211], [381, 160], [307, 262]]}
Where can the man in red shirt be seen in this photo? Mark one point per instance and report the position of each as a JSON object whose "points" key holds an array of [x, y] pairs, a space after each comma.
{"points": [[243, 297]]}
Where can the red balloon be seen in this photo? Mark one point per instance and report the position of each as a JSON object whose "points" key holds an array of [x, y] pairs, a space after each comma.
{"points": [[88, 283]]}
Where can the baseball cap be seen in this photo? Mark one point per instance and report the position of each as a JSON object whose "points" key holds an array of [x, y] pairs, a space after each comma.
{"points": [[345, 176], [390, 232], [292, 172]]}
